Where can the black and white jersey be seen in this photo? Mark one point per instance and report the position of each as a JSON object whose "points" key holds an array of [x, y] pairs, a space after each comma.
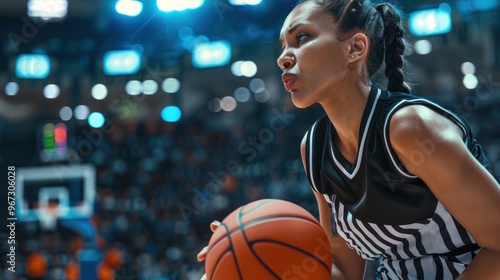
{"points": [[383, 211]]}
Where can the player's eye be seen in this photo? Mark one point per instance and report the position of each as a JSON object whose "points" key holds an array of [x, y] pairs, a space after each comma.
{"points": [[301, 37]]}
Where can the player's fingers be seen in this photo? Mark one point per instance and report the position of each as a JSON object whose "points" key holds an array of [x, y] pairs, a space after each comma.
{"points": [[202, 254], [214, 225], [204, 277]]}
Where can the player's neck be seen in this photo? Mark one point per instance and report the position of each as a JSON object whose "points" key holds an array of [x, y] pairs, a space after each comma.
{"points": [[345, 112]]}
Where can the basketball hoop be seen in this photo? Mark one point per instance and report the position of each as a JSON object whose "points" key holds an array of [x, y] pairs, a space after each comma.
{"points": [[48, 215]]}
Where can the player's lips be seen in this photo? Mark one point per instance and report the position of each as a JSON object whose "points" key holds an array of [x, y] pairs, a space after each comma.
{"points": [[288, 80]]}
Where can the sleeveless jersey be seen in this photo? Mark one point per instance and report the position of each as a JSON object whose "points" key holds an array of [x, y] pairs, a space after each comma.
{"points": [[382, 211]]}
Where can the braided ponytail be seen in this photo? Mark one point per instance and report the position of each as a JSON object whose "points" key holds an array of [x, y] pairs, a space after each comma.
{"points": [[394, 48]]}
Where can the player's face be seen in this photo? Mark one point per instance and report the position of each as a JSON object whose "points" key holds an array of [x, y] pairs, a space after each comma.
{"points": [[314, 60]]}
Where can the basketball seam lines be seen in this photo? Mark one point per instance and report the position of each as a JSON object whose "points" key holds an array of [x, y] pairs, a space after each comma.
{"points": [[242, 228]]}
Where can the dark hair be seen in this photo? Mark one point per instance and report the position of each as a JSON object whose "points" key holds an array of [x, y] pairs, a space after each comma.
{"points": [[383, 26]]}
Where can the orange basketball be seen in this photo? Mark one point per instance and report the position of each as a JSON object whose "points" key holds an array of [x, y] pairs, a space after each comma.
{"points": [[269, 239]]}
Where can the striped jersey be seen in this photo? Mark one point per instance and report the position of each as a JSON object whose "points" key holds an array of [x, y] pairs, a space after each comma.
{"points": [[383, 211]]}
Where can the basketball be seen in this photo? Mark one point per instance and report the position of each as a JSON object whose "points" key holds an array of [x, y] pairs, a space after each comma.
{"points": [[269, 239]]}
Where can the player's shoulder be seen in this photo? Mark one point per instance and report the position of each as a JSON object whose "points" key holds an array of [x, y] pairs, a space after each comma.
{"points": [[317, 129], [419, 122]]}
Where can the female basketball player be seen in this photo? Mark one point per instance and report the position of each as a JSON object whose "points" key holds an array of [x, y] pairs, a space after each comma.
{"points": [[405, 180], [407, 183]]}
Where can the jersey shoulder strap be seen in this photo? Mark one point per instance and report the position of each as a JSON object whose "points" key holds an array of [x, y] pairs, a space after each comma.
{"points": [[315, 143]]}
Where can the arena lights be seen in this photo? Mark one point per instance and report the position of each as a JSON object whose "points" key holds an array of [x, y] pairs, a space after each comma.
{"points": [[131, 8], [65, 113], [423, 47], [171, 85], [96, 120], [228, 103], [133, 87], [431, 21], [32, 66], [171, 114], [123, 62], [99, 91], [244, 2], [149, 87], [178, 5], [81, 112], [470, 81], [257, 85], [11, 88], [244, 68], [212, 54], [242, 94], [468, 68], [48, 9], [51, 91]]}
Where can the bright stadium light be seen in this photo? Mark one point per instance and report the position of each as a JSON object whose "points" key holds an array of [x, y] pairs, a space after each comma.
{"points": [[32, 66], [171, 85], [249, 69], [130, 8], [133, 87], [178, 5], [431, 21], [121, 62], [51, 91], [470, 81], [212, 54], [423, 47], [48, 9], [99, 91], [244, 2], [149, 87], [96, 120], [171, 114]]}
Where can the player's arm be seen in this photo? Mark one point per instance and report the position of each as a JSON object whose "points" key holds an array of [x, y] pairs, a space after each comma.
{"points": [[346, 262], [431, 147]]}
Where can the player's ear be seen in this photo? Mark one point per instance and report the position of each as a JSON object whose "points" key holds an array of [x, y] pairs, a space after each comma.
{"points": [[358, 46]]}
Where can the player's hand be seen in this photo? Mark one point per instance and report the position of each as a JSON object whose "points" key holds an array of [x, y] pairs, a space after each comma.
{"points": [[203, 253]]}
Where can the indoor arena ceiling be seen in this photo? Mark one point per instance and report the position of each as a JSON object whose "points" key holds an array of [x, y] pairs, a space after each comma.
{"points": [[93, 27]]}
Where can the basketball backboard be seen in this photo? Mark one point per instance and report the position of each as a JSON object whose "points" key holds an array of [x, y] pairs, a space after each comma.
{"points": [[71, 188]]}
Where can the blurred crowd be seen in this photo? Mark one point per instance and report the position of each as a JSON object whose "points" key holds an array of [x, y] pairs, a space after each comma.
{"points": [[160, 185]]}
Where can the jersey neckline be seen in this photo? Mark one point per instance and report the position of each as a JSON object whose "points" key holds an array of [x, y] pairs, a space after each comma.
{"points": [[343, 164]]}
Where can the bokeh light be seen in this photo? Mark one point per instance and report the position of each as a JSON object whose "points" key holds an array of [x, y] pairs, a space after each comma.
{"points": [[470, 81], [171, 85], [423, 47], [11, 88], [242, 94], [51, 91], [257, 85], [214, 105], [228, 103], [65, 113], [81, 112], [171, 114], [99, 91], [133, 87], [96, 120], [149, 87], [468, 68]]}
